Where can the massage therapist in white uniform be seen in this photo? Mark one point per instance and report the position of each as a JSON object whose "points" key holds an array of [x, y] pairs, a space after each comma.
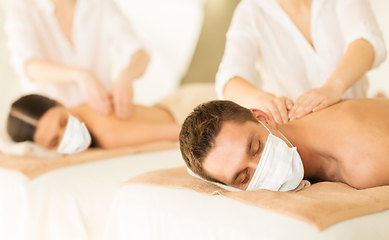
{"points": [[60, 48], [310, 54]]}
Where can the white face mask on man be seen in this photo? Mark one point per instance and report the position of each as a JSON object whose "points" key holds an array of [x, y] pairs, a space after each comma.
{"points": [[76, 137], [280, 167]]}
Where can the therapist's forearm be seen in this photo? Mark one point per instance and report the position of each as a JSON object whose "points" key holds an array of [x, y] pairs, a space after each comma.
{"points": [[241, 91], [356, 62], [49, 72], [137, 67]]}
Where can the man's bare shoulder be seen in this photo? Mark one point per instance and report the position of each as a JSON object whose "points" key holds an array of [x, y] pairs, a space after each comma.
{"points": [[359, 131], [365, 102], [363, 106]]}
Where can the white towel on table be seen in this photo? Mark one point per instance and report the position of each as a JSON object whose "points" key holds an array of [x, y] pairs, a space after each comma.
{"points": [[27, 148]]}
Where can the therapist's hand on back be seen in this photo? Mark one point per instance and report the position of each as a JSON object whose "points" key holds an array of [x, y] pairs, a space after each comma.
{"points": [[243, 92], [122, 91], [314, 100], [98, 98], [278, 107], [122, 94]]}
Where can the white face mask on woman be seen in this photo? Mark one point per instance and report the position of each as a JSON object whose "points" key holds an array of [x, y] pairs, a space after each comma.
{"points": [[280, 167], [76, 137]]}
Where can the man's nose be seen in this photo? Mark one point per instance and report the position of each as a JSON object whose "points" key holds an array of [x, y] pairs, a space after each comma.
{"points": [[253, 164]]}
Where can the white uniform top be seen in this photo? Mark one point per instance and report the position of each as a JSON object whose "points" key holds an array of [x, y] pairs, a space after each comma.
{"points": [[34, 33], [262, 35]]}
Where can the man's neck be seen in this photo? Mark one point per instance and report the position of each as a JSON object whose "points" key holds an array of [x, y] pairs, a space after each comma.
{"points": [[312, 160]]}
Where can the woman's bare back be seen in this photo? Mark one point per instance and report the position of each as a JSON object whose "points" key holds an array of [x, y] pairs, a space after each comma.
{"points": [[147, 124]]}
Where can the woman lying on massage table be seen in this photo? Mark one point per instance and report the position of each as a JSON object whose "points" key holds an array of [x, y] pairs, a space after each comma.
{"points": [[47, 123]]}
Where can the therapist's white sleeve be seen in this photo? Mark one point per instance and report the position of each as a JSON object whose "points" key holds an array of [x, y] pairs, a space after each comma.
{"points": [[241, 50], [357, 21], [121, 34], [23, 38]]}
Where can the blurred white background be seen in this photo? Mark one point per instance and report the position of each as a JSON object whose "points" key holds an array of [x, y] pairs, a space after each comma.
{"points": [[170, 30], [379, 78]]}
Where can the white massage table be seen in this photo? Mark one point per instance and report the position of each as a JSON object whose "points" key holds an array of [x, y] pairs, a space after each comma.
{"points": [[87, 201], [71, 202], [154, 213]]}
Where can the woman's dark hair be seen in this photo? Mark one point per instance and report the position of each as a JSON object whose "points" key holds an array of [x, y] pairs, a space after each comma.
{"points": [[23, 113]]}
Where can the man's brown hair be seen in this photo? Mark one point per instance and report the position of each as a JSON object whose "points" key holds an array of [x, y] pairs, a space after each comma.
{"points": [[200, 128]]}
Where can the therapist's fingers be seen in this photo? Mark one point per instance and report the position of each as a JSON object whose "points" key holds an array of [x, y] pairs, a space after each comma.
{"points": [[277, 109], [99, 101], [103, 102], [317, 99], [282, 108], [289, 104], [123, 104], [308, 106], [314, 100], [273, 111], [96, 95], [321, 106], [309, 102], [122, 97], [296, 106]]}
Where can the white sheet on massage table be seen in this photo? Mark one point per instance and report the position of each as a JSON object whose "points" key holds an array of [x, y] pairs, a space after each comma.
{"points": [[72, 202], [154, 213]]}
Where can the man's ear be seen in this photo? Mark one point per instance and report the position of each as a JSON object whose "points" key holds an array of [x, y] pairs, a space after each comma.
{"points": [[264, 117]]}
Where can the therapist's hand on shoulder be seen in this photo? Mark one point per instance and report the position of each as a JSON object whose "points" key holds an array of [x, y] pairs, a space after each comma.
{"points": [[98, 98], [314, 100], [278, 107], [122, 94], [243, 92]]}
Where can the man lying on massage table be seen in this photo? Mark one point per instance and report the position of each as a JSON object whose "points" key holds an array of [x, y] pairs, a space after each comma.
{"points": [[49, 124], [224, 142]]}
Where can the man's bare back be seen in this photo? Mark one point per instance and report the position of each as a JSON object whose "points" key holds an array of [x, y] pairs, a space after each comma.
{"points": [[348, 142]]}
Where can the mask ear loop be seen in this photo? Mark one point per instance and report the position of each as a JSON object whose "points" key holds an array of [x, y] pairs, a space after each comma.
{"points": [[285, 138], [265, 127], [24, 117], [278, 131]]}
